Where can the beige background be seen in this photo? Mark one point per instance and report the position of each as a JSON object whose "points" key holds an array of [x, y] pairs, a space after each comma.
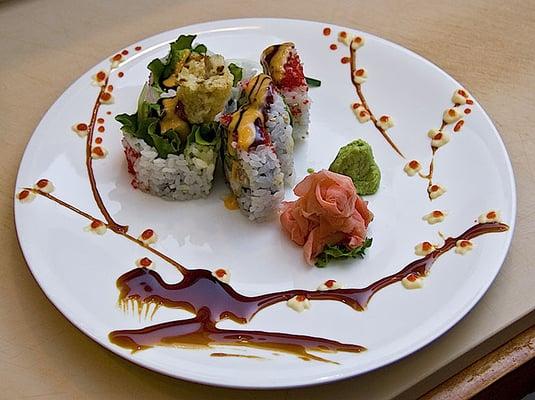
{"points": [[45, 45]]}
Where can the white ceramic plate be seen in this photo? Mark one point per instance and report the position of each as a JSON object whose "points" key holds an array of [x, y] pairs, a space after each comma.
{"points": [[78, 270]]}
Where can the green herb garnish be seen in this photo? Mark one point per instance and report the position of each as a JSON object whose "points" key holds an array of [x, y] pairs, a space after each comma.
{"points": [[310, 170], [341, 252], [200, 48], [311, 82], [237, 73]]}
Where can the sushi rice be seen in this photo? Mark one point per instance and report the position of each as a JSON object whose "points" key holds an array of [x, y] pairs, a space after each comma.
{"points": [[178, 177]]}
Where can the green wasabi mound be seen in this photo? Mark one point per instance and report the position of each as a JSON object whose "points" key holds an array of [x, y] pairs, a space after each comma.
{"points": [[356, 161]]}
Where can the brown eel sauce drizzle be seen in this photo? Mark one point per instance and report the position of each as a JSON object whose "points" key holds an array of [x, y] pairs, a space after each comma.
{"points": [[212, 300], [114, 226], [358, 88]]}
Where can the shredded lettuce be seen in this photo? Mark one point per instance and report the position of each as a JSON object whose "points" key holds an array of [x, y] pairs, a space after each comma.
{"points": [[144, 124], [341, 251], [237, 73]]}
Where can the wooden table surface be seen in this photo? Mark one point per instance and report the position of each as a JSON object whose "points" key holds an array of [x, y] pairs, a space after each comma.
{"points": [[46, 45]]}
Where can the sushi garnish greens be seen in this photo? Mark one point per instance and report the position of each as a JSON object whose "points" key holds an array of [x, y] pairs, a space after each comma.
{"points": [[341, 251]]}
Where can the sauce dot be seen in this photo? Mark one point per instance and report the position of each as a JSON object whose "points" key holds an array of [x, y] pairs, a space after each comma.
{"points": [[330, 283], [327, 31], [433, 188], [357, 39], [491, 215], [117, 57], [100, 120], [437, 214], [343, 34], [220, 273], [137, 48], [108, 112], [355, 106], [414, 164], [458, 126], [96, 224], [345, 60], [465, 243], [359, 72], [363, 113], [110, 88], [120, 74], [467, 111], [42, 183], [105, 96], [451, 112], [98, 140], [469, 101], [384, 118], [147, 234], [333, 46], [462, 93], [98, 151], [300, 297], [145, 262], [124, 52], [22, 195], [101, 129], [82, 127], [411, 277], [101, 75], [426, 246], [438, 136]]}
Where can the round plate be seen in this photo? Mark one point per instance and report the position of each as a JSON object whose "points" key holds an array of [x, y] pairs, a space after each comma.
{"points": [[78, 270]]}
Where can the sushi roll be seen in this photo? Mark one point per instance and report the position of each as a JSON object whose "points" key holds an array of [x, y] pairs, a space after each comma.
{"points": [[282, 63], [172, 142], [258, 148]]}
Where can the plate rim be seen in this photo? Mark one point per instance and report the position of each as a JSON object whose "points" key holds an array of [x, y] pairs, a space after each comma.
{"points": [[327, 378]]}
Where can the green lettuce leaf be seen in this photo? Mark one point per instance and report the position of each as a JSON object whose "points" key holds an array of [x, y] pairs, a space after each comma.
{"points": [[342, 252], [237, 73], [311, 82], [156, 67], [165, 144], [128, 121], [200, 48]]}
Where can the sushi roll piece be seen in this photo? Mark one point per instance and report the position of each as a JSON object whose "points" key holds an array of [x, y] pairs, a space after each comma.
{"points": [[277, 119], [258, 149], [282, 63], [172, 142]]}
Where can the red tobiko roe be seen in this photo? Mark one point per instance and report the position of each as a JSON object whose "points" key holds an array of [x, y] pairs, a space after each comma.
{"points": [[294, 76], [147, 234], [145, 262], [328, 211]]}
